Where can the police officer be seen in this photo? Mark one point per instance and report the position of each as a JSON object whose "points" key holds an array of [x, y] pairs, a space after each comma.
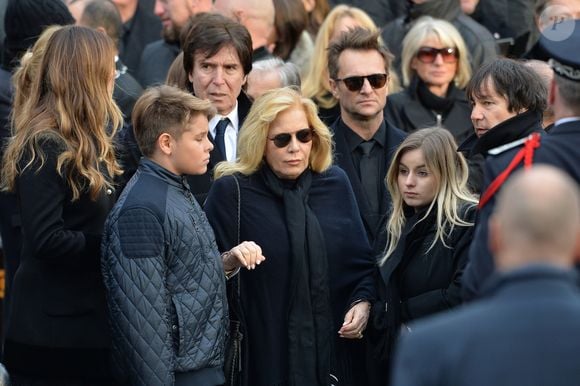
{"points": [[558, 148]]}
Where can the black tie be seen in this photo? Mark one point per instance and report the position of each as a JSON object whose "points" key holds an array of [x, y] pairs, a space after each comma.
{"points": [[369, 174], [220, 131]]}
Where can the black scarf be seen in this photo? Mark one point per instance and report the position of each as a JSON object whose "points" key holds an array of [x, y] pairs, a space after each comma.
{"points": [[434, 102], [309, 312]]}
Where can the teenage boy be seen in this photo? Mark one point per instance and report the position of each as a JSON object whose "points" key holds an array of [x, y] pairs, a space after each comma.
{"points": [[163, 273]]}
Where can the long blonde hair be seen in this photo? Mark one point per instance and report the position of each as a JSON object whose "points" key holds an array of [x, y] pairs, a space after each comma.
{"points": [[315, 83], [450, 171], [70, 101], [254, 133]]}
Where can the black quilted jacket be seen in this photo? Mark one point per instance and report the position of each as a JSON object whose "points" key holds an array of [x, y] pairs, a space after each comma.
{"points": [[165, 280]]}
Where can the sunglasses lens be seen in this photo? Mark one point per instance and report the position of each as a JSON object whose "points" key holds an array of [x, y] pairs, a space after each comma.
{"points": [[377, 80], [449, 55], [354, 83], [282, 140], [304, 136], [427, 55]]}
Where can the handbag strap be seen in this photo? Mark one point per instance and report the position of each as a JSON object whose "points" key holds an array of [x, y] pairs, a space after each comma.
{"points": [[239, 207], [238, 190]]}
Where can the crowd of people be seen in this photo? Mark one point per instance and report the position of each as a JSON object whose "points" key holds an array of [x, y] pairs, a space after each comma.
{"points": [[290, 192]]}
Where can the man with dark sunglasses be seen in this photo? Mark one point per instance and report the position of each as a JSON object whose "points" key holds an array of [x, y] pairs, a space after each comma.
{"points": [[359, 71], [359, 65]]}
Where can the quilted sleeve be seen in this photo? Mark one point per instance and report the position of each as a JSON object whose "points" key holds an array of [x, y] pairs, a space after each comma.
{"points": [[134, 271]]}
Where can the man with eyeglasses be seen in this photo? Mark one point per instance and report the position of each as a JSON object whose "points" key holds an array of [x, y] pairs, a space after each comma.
{"points": [[364, 142]]}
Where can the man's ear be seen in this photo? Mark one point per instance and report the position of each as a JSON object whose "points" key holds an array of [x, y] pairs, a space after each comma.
{"points": [[101, 30], [165, 143], [552, 92], [333, 88]]}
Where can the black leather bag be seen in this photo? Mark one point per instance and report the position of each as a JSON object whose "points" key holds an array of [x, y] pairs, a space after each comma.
{"points": [[233, 352]]}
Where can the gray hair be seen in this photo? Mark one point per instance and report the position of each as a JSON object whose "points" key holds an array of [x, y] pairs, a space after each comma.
{"points": [[289, 73]]}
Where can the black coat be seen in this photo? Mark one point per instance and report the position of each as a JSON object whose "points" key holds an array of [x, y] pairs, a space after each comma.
{"points": [[406, 111], [58, 322], [343, 159], [265, 290], [417, 281], [526, 331], [476, 149], [558, 148]]}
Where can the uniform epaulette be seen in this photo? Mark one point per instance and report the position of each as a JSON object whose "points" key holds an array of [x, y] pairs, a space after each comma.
{"points": [[507, 146]]}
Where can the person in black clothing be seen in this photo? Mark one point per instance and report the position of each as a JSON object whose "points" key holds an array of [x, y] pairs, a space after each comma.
{"points": [[25, 21], [359, 66], [425, 240], [315, 81], [436, 70], [508, 102], [61, 164], [306, 306]]}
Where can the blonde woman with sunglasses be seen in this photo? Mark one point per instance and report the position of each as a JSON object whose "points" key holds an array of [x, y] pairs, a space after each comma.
{"points": [[436, 70], [306, 305]]}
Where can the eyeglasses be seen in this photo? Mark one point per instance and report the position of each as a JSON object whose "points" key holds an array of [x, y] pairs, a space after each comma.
{"points": [[355, 83], [429, 54], [282, 140]]}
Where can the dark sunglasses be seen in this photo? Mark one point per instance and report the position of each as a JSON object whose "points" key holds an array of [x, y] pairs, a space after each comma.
{"points": [[429, 54], [355, 83], [282, 140]]}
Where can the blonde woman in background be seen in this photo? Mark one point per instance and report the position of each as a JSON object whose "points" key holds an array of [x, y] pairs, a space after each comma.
{"points": [[436, 70]]}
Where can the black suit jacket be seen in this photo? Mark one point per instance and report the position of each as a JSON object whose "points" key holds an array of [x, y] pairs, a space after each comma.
{"points": [[343, 159], [200, 184]]}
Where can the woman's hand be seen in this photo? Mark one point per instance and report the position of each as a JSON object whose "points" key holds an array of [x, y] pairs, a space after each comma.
{"points": [[355, 321], [247, 254]]}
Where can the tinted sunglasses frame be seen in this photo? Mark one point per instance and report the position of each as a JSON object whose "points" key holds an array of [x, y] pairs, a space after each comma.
{"points": [[283, 139], [355, 83], [428, 55]]}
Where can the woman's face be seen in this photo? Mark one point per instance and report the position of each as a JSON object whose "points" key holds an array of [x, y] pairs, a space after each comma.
{"points": [[416, 182], [439, 72], [288, 162]]}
